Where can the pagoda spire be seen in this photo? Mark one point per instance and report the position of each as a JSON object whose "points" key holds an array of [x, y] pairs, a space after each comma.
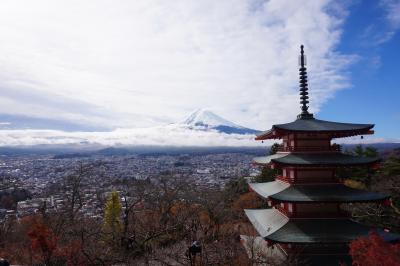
{"points": [[303, 87]]}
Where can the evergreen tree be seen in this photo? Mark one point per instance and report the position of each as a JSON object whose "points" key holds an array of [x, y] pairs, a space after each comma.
{"points": [[360, 174], [267, 175], [112, 216], [274, 148], [370, 152], [367, 152], [358, 150], [391, 167]]}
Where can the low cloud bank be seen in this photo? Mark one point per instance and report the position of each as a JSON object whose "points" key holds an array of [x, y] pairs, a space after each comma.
{"points": [[171, 135]]}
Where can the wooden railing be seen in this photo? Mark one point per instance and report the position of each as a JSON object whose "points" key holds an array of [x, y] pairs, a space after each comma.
{"points": [[333, 148], [284, 211], [307, 179], [317, 214], [284, 178]]}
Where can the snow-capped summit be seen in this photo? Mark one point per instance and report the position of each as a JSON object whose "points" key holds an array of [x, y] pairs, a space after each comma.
{"points": [[203, 119]]}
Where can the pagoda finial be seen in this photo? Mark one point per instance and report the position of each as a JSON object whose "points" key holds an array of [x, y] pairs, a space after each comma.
{"points": [[303, 86]]}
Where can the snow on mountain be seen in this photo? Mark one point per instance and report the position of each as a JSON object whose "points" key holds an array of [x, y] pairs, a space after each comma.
{"points": [[202, 119]]}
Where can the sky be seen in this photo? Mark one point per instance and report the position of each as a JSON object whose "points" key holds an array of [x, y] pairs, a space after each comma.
{"points": [[121, 65]]}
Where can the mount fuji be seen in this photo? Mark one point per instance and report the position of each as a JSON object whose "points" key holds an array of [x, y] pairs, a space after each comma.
{"points": [[202, 128], [206, 120]]}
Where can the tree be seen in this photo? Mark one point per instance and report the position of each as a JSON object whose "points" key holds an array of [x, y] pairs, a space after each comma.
{"points": [[133, 201], [235, 187], [267, 175], [386, 181], [249, 200], [359, 150], [73, 186], [112, 216], [72, 254], [391, 166], [360, 174], [370, 152], [274, 148], [373, 250], [43, 242]]}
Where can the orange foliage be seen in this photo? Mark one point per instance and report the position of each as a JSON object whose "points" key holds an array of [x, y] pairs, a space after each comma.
{"points": [[178, 208], [374, 251], [46, 247], [204, 218], [43, 241], [249, 200], [72, 253]]}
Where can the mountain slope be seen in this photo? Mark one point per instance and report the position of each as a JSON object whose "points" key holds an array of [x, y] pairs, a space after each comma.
{"points": [[202, 119]]}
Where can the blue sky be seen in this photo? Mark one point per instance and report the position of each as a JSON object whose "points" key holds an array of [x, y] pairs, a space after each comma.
{"points": [[76, 66], [374, 94]]}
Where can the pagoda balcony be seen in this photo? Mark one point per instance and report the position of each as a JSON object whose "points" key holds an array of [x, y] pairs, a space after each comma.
{"points": [[307, 180], [338, 214], [331, 148], [319, 159], [284, 178]]}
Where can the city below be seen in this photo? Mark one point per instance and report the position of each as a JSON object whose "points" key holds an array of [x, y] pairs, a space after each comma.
{"points": [[32, 178], [35, 181]]}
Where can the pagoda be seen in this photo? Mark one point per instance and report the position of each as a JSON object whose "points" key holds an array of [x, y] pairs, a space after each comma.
{"points": [[305, 215]]}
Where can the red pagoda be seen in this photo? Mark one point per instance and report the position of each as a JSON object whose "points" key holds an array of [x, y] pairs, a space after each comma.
{"points": [[305, 217]]}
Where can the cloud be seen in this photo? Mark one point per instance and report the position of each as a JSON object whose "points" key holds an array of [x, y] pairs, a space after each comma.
{"points": [[366, 140], [392, 8], [144, 63], [171, 135], [383, 29]]}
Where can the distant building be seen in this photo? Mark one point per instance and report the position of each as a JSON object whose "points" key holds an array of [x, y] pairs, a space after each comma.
{"points": [[29, 207], [306, 219]]}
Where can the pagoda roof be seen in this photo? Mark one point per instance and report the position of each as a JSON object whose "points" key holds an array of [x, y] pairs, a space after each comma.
{"points": [[270, 224], [318, 159], [282, 191], [264, 160], [266, 221], [313, 125], [267, 189]]}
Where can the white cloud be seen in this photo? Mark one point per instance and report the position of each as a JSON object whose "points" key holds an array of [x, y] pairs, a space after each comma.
{"points": [[383, 30], [392, 8], [171, 135], [144, 62], [365, 140]]}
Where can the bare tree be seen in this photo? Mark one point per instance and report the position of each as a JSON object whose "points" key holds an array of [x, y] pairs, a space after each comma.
{"points": [[73, 186]]}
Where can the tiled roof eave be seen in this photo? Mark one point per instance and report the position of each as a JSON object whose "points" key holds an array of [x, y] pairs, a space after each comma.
{"points": [[320, 164], [279, 191], [342, 231], [334, 134], [267, 189], [314, 159], [384, 198], [278, 131]]}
